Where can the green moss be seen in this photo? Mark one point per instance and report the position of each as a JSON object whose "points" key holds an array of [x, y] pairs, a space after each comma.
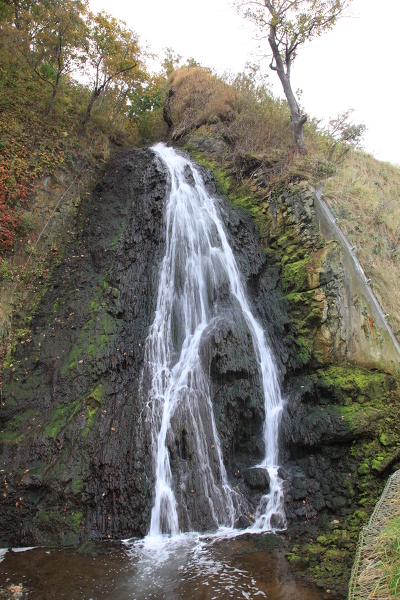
{"points": [[12, 437], [19, 427], [22, 333], [94, 338], [241, 196], [353, 382], [56, 422], [363, 469], [50, 516], [388, 439], [91, 415], [98, 394], [77, 486], [94, 305], [295, 275], [60, 417], [304, 350], [74, 520], [292, 556], [100, 288]]}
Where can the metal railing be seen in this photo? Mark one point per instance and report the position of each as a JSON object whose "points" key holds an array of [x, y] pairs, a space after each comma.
{"points": [[364, 577], [363, 280]]}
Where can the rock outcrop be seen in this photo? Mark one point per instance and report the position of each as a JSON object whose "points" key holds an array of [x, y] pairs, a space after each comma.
{"points": [[75, 448], [340, 433], [74, 461], [75, 444]]}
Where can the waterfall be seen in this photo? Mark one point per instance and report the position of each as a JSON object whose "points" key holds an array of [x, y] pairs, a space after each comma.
{"points": [[198, 260]]}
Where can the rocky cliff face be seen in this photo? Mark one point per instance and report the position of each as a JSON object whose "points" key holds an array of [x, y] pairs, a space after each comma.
{"points": [[75, 447], [75, 444], [340, 433], [74, 460]]}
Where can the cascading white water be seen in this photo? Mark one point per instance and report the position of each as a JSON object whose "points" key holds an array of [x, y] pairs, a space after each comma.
{"points": [[198, 260]]}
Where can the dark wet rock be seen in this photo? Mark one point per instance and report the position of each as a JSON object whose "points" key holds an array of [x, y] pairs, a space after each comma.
{"points": [[243, 522], [189, 175], [73, 442], [283, 473], [257, 478]]}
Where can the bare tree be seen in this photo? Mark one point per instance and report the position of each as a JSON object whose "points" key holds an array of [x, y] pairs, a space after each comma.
{"points": [[288, 24]]}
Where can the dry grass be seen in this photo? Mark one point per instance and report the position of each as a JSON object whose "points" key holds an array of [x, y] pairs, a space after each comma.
{"points": [[376, 569], [249, 119], [380, 580], [262, 121], [364, 195], [390, 541], [201, 98]]}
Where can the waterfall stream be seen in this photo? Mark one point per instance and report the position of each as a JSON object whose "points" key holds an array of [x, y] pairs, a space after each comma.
{"points": [[197, 263]]}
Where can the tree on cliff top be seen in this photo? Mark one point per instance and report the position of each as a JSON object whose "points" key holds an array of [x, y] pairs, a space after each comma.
{"points": [[50, 35], [114, 56], [288, 24]]}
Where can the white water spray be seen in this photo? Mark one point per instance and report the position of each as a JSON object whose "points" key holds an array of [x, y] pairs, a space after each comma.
{"points": [[197, 262]]}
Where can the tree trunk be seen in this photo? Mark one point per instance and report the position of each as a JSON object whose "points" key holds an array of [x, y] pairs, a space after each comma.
{"points": [[94, 96], [53, 95], [120, 105], [167, 108], [298, 119], [16, 15]]}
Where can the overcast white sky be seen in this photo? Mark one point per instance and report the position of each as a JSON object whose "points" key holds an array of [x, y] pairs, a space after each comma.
{"points": [[356, 65]]}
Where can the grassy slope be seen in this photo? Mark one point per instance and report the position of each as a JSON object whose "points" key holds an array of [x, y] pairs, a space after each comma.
{"points": [[364, 194], [390, 542]]}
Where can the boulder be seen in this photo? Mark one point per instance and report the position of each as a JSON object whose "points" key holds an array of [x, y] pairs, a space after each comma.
{"points": [[257, 478]]}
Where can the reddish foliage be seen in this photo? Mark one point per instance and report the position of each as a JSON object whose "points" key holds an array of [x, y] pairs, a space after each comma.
{"points": [[10, 219], [27, 151]]}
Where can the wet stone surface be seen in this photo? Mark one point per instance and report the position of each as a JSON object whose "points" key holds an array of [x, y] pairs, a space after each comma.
{"points": [[74, 457]]}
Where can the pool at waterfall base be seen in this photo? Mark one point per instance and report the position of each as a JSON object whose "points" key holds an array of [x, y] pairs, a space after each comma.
{"points": [[188, 566]]}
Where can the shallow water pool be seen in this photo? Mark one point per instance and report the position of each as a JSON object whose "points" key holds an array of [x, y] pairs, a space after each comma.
{"points": [[191, 567]]}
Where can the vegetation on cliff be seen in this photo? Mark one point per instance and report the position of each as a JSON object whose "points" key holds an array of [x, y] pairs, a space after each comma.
{"points": [[50, 150], [59, 66]]}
